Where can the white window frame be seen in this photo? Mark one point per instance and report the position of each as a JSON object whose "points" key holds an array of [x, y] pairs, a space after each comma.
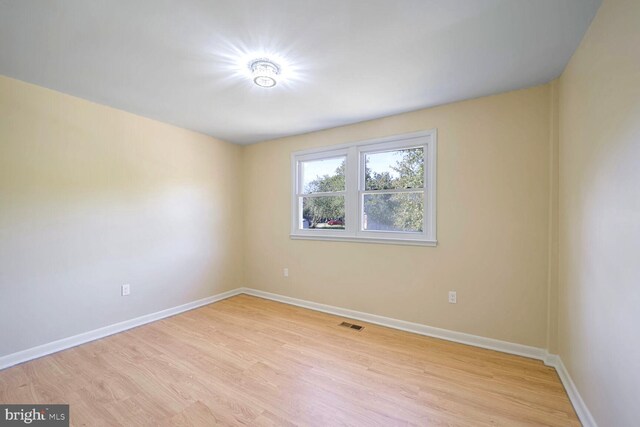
{"points": [[355, 190]]}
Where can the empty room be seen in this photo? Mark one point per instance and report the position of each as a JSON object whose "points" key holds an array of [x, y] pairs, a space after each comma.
{"points": [[320, 213]]}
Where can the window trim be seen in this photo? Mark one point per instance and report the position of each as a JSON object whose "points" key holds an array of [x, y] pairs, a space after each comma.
{"points": [[355, 189]]}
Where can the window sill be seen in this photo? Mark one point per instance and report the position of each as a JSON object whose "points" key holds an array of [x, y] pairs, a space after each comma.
{"points": [[378, 240]]}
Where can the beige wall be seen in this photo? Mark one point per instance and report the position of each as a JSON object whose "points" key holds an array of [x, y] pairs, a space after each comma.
{"points": [[493, 224], [599, 304], [91, 198]]}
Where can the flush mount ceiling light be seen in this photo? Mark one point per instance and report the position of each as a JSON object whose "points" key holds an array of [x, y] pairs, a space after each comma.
{"points": [[264, 72]]}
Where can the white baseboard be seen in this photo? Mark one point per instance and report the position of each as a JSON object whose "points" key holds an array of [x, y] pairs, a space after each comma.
{"points": [[416, 328], [489, 343], [65, 343], [581, 408]]}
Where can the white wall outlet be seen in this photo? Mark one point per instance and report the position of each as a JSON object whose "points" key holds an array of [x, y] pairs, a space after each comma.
{"points": [[453, 297], [126, 290], [285, 272]]}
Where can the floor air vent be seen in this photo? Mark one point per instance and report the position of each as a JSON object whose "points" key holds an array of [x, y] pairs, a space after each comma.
{"points": [[351, 326]]}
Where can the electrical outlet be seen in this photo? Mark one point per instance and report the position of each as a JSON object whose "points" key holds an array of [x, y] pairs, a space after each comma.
{"points": [[126, 290], [453, 297], [285, 272]]}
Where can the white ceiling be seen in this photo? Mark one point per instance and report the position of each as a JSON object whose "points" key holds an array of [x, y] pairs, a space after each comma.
{"points": [[345, 61]]}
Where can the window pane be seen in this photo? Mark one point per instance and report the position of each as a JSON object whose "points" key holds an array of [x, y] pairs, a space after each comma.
{"points": [[393, 212], [323, 212], [394, 169], [324, 175]]}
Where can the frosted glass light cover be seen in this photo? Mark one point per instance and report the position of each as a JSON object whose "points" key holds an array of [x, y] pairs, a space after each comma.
{"points": [[264, 72]]}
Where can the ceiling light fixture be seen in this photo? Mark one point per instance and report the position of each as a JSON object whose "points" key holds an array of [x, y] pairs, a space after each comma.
{"points": [[264, 72]]}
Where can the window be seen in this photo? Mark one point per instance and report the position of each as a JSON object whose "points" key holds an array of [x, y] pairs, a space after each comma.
{"points": [[380, 191]]}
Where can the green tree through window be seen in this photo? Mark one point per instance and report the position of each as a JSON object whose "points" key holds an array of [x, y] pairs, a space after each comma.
{"points": [[322, 209], [397, 211]]}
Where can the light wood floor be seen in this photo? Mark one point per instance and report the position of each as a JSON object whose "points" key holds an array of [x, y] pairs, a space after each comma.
{"points": [[250, 361]]}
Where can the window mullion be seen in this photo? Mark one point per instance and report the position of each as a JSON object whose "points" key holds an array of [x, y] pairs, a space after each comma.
{"points": [[394, 191], [351, 198], [323, 194]]}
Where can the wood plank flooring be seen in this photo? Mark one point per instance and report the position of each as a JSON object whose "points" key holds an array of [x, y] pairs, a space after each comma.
{"points": [[247, 360]]}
